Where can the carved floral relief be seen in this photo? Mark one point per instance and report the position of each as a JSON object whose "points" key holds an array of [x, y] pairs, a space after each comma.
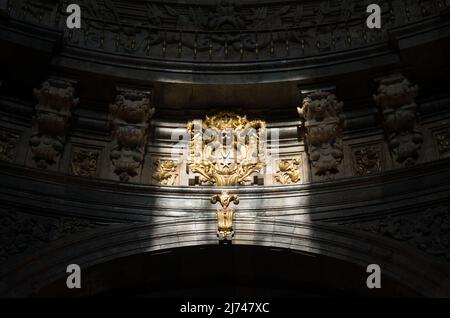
{"points": [[85, 162], [289, 171]]}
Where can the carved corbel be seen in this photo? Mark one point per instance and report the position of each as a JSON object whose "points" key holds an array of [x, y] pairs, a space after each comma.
{"points": [[53, 112], [225, 214], [323, 125], [131, 114], [396, 104]]}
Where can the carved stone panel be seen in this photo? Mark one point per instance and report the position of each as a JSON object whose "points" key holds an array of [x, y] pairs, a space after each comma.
{"points": [[323, 124], [428, 231], [396, 102], [85, 162], [289, 171], [165, 172], [20, 232], [443, 142], [8, 144], [131, 114], [53, 111], [367, 160]]}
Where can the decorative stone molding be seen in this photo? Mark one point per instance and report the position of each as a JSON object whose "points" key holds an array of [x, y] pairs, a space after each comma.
{"points": [[225, 214], [443, 143], [131, 114], [226, 149], [428, 231], [396, 102], [20, 232], [225, 29], [323, 124], [165, 172], [8, 144], [53, 112], [367, 160], [289, 171], [85, 162]]}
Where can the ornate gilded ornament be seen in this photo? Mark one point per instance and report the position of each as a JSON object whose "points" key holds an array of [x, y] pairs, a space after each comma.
{"points": [[288, 171], [8, 144], [323, 124], [226, 149], [396, 103], [131, 114], [165, 172], [225, 214], [84, 163], [367, 160]]}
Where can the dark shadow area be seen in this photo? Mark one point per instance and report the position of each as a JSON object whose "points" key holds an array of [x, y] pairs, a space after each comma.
{"points": [[225, 271]]}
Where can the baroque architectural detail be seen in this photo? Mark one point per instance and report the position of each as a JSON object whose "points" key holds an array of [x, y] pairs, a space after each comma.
{"points": [[53, 111], [84, 163], [443, 143], [131, 114], [367, 160], [225, 214], [226, 149], [223, 29], [323, 123], [396, 102], [428, 231], [20, 232], [289, 171], [8, 144], [165, 172]]}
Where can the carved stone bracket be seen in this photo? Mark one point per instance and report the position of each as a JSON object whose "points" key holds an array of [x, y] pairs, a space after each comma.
{"points": [[225, 214], [395, 101], [53, 111], [323, 124], [131, 114]]}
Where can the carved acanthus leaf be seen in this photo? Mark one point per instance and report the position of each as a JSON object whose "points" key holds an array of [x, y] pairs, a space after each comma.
{"points": [[289, 171], [165, 172]]}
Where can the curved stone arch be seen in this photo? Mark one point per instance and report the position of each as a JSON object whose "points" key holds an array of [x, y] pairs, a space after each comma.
{"points": [[408, 267]]}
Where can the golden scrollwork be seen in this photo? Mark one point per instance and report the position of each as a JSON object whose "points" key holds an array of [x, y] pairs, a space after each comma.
{"points": [[289, 171], [226, 149], [225, 214], [165, 172]]}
